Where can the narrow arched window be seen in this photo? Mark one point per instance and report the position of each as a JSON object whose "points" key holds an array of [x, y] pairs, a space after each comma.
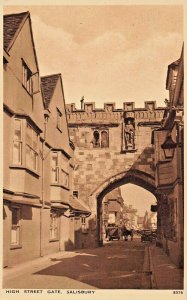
{"points": [[104, 139], [96, 139]]}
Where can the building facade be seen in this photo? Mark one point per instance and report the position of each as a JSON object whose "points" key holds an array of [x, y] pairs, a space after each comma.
{"points": [[130, 217], [40, 213], [60, 162], [169, 164], [112, 147], [150, 220]]}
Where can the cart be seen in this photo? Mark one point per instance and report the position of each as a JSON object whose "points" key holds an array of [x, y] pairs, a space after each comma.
{"points": [[113, 233]]}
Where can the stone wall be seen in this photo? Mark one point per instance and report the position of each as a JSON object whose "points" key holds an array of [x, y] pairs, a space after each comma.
{"points": [[95, 166]]}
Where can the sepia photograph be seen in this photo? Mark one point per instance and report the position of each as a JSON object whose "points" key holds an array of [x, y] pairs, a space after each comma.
{"points": [[93, 149]]}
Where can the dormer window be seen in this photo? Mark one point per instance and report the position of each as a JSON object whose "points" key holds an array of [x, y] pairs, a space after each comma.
{"points": [[59, 119], [27, 78]]}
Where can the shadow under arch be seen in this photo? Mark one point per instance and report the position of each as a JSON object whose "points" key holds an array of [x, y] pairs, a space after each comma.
{"points": [[132, 176]]}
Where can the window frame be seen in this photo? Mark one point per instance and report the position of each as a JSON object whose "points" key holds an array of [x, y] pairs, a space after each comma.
{"points": [[23, 162], [99, 142], [65, 170], [54, 227], [61, 170], [20, 141], [17, 226], [27, 83], [59, 120], [56, 169], [84, 225], [31, 147]]}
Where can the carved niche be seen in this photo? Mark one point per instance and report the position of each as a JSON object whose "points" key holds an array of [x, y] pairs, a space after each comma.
{"points": [[128, 134]]}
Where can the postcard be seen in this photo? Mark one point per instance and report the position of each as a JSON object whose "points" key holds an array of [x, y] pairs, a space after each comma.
{"points": [[93, 150]]}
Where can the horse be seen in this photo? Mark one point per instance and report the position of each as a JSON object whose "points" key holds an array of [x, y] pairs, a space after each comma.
{"points": [[127, 232]]}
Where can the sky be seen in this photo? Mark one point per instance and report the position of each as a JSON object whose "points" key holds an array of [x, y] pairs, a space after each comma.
{"points": [[107, 53], [138, 197]]}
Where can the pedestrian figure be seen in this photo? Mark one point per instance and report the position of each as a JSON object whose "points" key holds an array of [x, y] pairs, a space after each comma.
{"points": [[132, 233], [126, 233]]}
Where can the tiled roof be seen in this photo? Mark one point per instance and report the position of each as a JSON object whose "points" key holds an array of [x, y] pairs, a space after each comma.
{"points": [[48, 84], [11, 25], [175, 63], [114, 194], [77, 204]]}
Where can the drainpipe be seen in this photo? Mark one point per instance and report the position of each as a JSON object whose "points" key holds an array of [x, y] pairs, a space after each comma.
{"points": [[46, 116]]}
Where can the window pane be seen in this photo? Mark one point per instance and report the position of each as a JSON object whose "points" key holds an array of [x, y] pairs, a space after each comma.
{"points": [[28, 156], [17, 150], [59, 119], [29, 135], [53, 225], [27, 78], [15, 230], [32, 159], [35, 161], [104, 139], [65, 163], [35, 140], [54, 160], [15, 218], [14, 236], [17, 130], [96, 142], [54, 167]]}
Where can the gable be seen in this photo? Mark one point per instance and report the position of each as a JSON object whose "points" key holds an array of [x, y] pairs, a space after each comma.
{"points": [[48, 85], [11, 26], [18, 40]]}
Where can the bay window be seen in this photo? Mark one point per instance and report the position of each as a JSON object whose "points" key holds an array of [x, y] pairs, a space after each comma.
{"points": [[31, 148], [25, 145], [59, 169]]}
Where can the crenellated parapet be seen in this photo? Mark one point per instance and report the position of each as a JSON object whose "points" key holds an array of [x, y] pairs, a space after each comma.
{"points": [[109, 114]]}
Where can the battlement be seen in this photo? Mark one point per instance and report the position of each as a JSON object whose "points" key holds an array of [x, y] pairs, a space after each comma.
{"points": [[109, 114], [111, 107]]}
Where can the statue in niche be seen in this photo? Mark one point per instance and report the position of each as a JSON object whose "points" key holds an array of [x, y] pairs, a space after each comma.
{"points": [[129, 133]]}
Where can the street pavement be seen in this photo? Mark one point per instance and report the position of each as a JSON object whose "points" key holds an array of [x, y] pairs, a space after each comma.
{"points": [[165, 275], [116, 265]]}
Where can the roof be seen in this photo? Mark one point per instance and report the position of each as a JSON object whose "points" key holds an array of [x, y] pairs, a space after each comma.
{"points": [[114, 195], [48, 84], [79, 205], [175, 63], [11, 26]]}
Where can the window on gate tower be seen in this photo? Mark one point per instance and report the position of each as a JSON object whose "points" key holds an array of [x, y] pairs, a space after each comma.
{"points": [[100, 139]]}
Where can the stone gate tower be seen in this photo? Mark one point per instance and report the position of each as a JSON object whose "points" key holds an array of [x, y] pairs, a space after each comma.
{"points": [[112, 147]]}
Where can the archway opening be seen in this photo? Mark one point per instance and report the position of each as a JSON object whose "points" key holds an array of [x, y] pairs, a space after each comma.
{"points": [[128, 206]]}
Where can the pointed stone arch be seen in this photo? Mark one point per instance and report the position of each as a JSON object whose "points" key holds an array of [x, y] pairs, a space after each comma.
{"points": [[133, 176]]}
